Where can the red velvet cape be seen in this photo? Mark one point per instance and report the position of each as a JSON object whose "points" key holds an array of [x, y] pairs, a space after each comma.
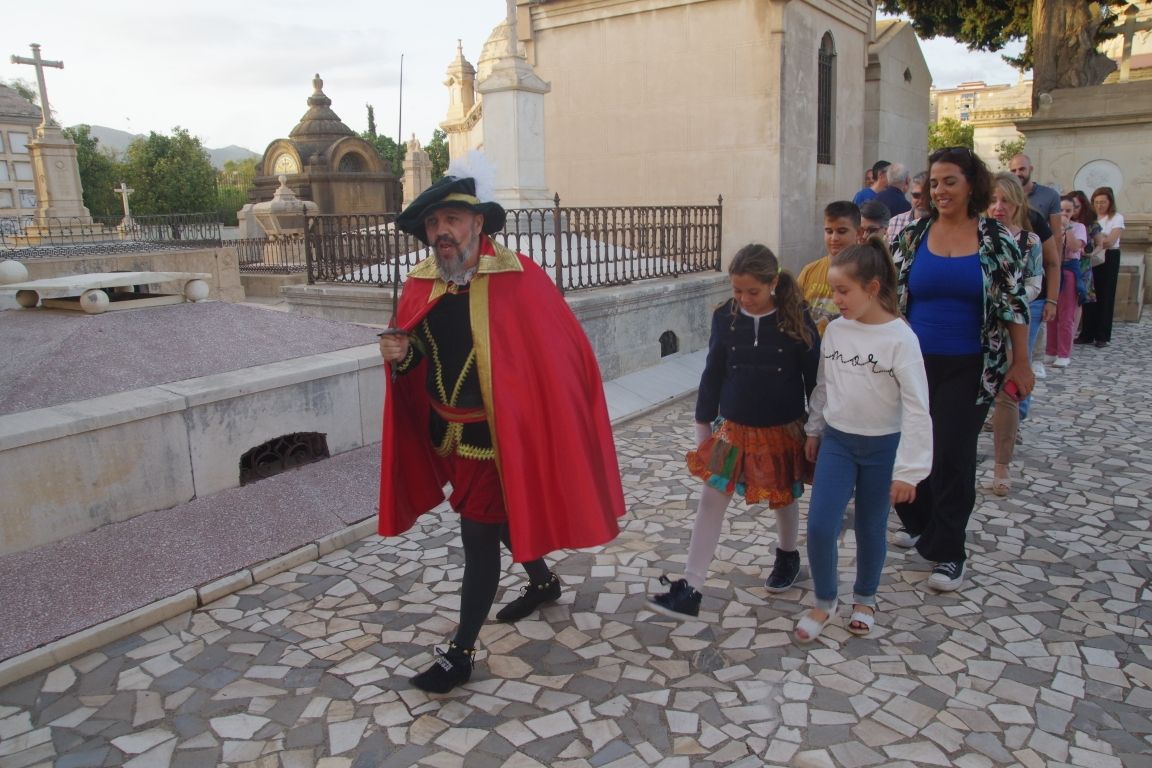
{"points": [[545, 403]]}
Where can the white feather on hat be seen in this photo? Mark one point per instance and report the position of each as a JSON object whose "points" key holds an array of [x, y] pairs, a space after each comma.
{"points": [[476, 165]]}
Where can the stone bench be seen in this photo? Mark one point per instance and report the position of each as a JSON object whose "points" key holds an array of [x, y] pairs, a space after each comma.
{"points": [[90, 292]]}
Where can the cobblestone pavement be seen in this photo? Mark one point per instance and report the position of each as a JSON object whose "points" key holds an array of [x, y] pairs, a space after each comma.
{"points": [[1042, 659]]}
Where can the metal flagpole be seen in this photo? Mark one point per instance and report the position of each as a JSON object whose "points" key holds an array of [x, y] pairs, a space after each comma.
{"points": [[396, 270], [399, 138]]}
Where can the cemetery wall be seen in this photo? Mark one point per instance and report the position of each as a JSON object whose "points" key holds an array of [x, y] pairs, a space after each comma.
{"points": [[73, 468], [624, 323]]}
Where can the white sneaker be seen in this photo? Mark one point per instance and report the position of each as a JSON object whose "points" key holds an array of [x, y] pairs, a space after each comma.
{"points": [[1062, 362], [1038, 370], [1049, 359], [901, 538]]}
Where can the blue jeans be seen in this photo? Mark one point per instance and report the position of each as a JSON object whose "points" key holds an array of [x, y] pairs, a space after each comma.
{"points": [[1035, 317], [850, 462]]}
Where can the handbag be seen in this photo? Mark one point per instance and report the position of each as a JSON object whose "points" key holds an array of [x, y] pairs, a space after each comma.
{"points": [[1096, 258]]}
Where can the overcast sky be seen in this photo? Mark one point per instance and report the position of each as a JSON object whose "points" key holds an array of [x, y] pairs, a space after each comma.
{"points": [[240, 72]]}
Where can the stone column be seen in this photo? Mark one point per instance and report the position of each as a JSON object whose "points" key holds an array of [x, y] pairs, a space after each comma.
{"points": [[513, 102], [461, 122], [417, 171], [60, 196]]}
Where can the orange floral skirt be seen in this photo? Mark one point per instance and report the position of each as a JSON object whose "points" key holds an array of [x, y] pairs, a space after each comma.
{"points": [[760, 463]]}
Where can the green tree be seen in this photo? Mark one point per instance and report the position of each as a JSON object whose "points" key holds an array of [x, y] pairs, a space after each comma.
{"points": [[437, 149], [949, 132], [1060, 36], [239, 173], [100, 173], [171, 174], [371, 120], [232, 184], [1008, 149], [390, 152]]}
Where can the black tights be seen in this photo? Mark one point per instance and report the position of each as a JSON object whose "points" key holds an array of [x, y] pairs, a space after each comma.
{"points": [[482, 575]]}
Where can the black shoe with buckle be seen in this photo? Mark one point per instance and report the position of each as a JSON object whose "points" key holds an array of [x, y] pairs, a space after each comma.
{"points": [[784, 571], [681, 601], [449, 669], [532, 597]]}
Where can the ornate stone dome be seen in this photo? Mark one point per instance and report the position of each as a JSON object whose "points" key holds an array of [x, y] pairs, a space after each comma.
{"points": [[320, 127]]}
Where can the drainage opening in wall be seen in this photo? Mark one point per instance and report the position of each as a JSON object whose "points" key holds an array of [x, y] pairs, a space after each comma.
{"points": [[669, 344], [281, 454]]}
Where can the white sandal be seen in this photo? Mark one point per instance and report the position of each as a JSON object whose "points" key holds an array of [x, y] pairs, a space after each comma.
{"points": [[868, 620], [810, 626]]}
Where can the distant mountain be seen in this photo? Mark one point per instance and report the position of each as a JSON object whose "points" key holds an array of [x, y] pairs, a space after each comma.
{"points": [[118, 141]]}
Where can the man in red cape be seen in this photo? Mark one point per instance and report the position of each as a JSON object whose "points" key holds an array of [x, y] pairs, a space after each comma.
{"points": [[495, 391]]}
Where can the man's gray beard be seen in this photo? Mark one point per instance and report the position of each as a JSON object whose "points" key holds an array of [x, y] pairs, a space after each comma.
{"points": [[456, 273]]}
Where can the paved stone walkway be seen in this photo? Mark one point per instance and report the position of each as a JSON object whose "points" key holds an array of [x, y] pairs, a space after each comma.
{"points": [[1043, 659]]}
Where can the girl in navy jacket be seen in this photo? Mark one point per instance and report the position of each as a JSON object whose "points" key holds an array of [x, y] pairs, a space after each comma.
{"points": [[763, 355]]}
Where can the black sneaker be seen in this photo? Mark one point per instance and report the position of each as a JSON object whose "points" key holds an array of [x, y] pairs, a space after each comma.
{"points": [[681, 601], [784, 571], [531, 597], [449, 669], [946, 577]]}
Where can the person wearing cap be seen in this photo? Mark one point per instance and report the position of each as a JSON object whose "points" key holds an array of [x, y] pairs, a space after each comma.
{"points": [[496, 391]]}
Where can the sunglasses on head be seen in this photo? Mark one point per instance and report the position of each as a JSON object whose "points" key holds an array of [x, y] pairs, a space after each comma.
{"points": [[949, 151]]}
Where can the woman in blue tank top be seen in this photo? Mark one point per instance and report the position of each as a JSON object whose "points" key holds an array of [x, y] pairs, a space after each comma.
{"points": [[961, 287]]}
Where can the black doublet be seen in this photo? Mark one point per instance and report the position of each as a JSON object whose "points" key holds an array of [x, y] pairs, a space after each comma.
{"points": [[444, 338]]}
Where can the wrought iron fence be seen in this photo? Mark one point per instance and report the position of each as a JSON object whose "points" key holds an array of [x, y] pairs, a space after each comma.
{"points": [[275, 254], [581, 247], [26, 237]]}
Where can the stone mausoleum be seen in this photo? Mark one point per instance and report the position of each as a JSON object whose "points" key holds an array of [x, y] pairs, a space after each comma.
{"points": [[776, 105], [327, 163]]}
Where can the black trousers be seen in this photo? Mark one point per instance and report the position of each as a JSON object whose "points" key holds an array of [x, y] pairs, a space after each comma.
{"points": [[1097, 318], [944, 500], [482, 575]]}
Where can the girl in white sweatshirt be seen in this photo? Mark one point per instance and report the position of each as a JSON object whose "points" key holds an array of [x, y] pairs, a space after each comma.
{"points": [[868, 430]]}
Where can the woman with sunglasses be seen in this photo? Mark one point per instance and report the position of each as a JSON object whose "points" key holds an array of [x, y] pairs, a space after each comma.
{"points": [[961, 287]]}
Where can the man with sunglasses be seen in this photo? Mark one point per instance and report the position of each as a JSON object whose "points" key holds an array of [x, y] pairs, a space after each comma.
{"points": [[874, 218], [921, 207]]}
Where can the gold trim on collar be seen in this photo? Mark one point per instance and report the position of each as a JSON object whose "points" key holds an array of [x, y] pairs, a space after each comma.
{"points": [[502, 260]]}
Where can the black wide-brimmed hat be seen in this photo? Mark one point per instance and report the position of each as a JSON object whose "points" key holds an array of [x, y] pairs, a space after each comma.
{"points": [[459, 191]]}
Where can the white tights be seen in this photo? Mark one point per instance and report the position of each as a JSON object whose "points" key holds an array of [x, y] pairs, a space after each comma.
{"points": [[709, 522]]}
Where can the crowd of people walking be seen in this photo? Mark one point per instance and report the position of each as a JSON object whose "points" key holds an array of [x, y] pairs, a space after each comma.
{"points": [[867, 379]]}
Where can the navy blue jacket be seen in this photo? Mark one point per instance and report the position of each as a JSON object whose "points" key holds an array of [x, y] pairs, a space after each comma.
{"points": [[761, 382]]}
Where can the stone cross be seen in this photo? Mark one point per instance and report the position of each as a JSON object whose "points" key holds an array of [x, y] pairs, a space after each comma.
{"points": [[39, 63], [123, 190], [1129, 30], [513, 44]]}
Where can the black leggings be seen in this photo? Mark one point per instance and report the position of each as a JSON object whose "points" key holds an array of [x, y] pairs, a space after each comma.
{"points": [[482, 575], [944, 500], [1097, 318]]}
